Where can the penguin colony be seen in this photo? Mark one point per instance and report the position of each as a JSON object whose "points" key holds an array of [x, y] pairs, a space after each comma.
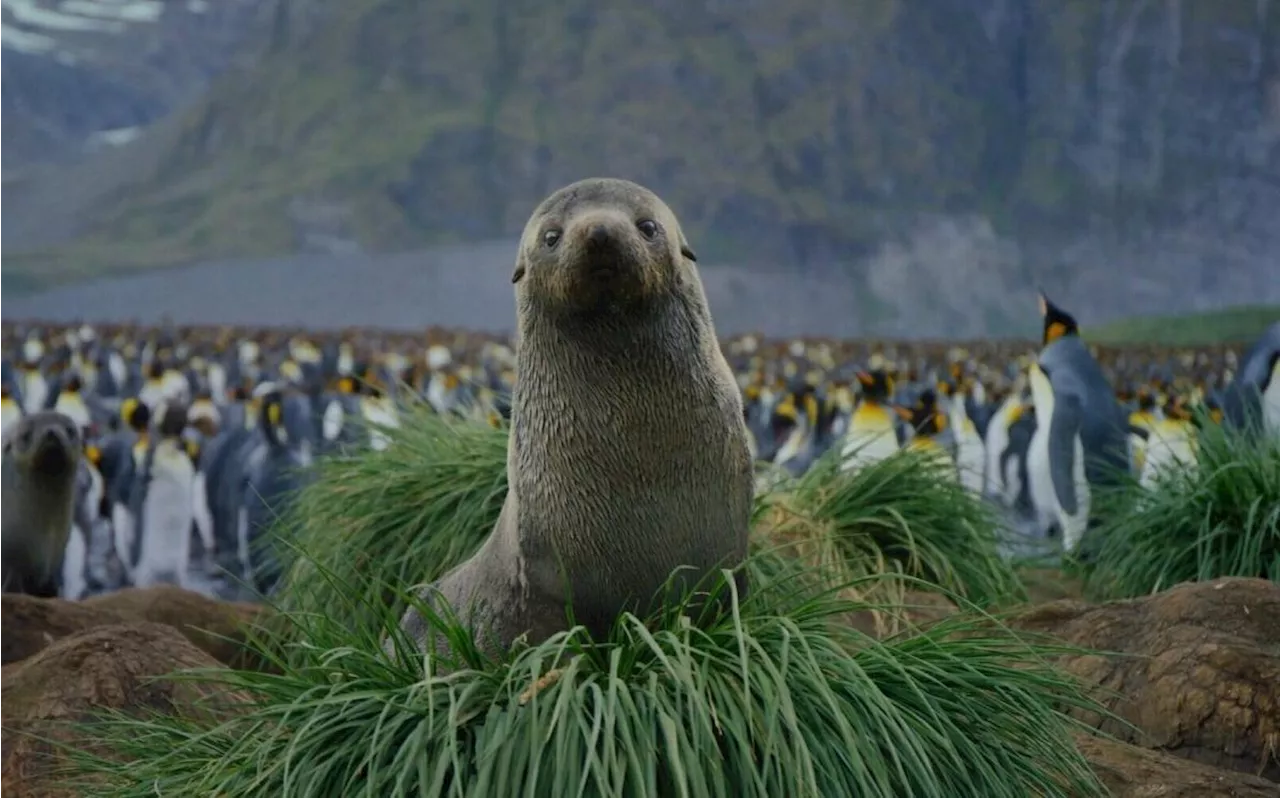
{"points": [[193, 439]]}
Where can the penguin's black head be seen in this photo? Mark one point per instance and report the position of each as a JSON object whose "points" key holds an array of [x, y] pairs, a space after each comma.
{"points": [[1146, 399], [876, 384], [156, 369], [173, 422], [1057, 322], [73, 384], [139, 417], [785, 418], [923, 415]]}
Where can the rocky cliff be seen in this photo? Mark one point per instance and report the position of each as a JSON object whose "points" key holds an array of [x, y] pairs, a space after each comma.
{"points": [[936, 153], [86, 74]]}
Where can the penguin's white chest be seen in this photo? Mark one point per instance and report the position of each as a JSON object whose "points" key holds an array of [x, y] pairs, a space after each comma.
{"points": [[970, 456], [871, 438], [35, 391], [10, 414], [793, 445], [167, 516], [1271, 402], [1170, 447], [334, 416], [379, 414], [997, 441], [1040, 476], [73, 407]]}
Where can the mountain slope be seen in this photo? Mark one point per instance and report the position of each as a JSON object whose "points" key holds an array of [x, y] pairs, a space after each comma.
{"points": [[1063, 143], [85, 74]]}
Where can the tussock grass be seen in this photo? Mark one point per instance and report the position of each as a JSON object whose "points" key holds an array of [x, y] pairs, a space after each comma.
{"points": [[773, 698], [906, 514], [397, 517], [383, 521], [1218, 517]]}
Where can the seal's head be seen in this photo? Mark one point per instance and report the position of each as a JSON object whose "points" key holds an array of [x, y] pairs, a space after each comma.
{"points": [[47, 443], [601, 246]]}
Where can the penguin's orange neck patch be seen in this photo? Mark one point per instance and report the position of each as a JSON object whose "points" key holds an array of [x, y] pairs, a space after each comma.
{"points": [[1054, 331]]}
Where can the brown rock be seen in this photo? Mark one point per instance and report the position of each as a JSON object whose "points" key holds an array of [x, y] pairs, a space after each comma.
{"points": [[1196, 669], [216, 627], [1132, 772], [110, 667], [29, 624]]}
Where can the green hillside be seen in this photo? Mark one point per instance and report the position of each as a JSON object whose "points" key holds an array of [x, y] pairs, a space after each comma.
{"points": [[804, 128], [1231, 325], [934, 160]]}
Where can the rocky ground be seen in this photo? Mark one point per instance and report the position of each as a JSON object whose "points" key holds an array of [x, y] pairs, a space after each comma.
{"points": [[1190, 676]]}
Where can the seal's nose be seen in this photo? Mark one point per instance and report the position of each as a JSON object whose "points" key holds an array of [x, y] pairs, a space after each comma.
{"points": [[599, 236]]}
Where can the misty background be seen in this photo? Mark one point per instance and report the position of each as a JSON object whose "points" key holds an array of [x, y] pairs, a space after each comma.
{"points": [[900, 167]]}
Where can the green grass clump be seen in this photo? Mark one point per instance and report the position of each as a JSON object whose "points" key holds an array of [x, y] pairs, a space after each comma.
{"points": [[400, 516], [905, 514], [384, 521], [1219, 517], [775, 698], [1241, 324]]}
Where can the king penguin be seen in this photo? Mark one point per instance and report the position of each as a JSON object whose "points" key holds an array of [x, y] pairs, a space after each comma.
{"points": [[33, 385], [1170, 445], [1081, 437], [1252, 399], [873, 428], [9, 407], [275, 477], [163, 500], [970, 452], [927, 423]]}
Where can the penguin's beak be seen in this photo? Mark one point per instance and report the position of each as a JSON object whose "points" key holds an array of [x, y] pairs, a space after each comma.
{"points": [[903, 413]]}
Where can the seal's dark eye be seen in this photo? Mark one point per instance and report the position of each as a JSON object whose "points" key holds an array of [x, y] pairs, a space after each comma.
{"points": [[551, 238], [648, 227]]}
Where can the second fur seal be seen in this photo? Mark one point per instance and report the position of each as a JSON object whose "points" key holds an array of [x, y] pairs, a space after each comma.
{"points": [[628, 452], [41, 462]]}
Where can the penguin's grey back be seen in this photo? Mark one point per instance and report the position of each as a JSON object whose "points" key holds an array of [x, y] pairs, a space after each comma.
{"points": [[1103, 424]]}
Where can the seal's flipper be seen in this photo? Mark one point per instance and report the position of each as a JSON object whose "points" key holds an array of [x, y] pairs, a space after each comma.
{"points": [[1064, 428]]}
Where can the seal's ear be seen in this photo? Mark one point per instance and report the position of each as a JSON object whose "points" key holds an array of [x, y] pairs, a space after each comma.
{"points": [[686, 251]]}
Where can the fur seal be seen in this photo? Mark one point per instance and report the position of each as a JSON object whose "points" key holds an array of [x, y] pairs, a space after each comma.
{"points": [[628, 453], [41, 462]]}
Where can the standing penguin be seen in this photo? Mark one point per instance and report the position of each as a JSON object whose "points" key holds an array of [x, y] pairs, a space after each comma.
{"points": [[970, 454], [85, 514], [275, 477], [1253, 397], [71, 403], [873, 428], [32, 384], [122, 454], [1081, 438], [1171, 444], [163, 503], [379, 412], [40, 463], [926, 424], [9, 407]]}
